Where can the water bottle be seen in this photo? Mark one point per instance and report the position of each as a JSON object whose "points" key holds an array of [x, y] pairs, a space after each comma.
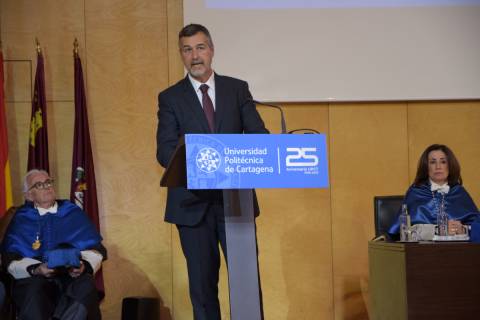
{"points": [[442, 221], [404, 224]]}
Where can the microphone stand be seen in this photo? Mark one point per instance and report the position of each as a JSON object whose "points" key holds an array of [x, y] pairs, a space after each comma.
{"points": [[282, 117]]}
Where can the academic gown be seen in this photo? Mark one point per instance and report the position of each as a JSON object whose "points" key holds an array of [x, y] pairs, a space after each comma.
{"points": [[423, 207], [62, 296], [70, 226]]}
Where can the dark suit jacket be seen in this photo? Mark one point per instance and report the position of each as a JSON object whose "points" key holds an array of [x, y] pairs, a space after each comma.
{"points": [[179, 113]]}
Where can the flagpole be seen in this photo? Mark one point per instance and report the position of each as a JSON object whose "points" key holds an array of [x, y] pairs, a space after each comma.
{"points": [[39, 49], [83, 190], [75, 47]]}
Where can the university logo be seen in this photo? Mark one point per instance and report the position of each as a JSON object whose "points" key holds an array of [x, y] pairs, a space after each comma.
{"points": [[208, 160], [301, 157]]}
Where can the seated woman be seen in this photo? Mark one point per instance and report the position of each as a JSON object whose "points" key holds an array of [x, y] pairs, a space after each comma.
{"points": [[438, 183]]}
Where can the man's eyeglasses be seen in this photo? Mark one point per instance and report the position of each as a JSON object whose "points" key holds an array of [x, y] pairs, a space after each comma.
{"points": [[42, 185]]}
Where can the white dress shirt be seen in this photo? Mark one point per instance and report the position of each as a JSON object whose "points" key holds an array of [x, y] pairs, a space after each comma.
{"points": [[211, 88], [444, 188]]}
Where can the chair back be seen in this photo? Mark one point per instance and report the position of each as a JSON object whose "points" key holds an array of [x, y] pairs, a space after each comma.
{"points": [[5, 221], [386, 211], [7, 306]]}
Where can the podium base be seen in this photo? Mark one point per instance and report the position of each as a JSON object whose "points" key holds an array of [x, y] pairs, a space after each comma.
{"points": [[242, 257]]}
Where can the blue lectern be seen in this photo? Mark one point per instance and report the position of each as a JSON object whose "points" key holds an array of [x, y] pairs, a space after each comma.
{"points": [[237, 163]]}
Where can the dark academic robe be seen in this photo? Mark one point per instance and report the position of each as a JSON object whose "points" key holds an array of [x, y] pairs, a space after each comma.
{"points": [[423, 207], [63, 296], [70, 226]]}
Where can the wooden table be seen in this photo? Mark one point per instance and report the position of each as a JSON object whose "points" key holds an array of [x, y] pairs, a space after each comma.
{"points": [[430, 281]]}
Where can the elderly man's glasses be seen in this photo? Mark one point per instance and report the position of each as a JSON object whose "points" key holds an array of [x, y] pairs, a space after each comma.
{"points": [[42, 185]]}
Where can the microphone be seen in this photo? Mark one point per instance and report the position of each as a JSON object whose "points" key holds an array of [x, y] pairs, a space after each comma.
{"points": [[304, 130], [282, 118]]}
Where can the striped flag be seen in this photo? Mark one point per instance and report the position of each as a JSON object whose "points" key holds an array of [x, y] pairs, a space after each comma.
{"points": [[83, 190], [38, 139], [6, 200]]}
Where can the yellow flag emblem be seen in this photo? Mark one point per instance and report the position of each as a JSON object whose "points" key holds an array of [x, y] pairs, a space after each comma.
{"points": [[35, 125]]}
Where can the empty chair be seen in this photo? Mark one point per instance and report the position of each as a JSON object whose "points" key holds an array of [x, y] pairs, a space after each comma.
{"points": [[386, 210]]}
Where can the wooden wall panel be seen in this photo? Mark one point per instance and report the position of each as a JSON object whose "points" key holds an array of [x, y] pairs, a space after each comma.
{"points": [[175, 24], [55, 26], [18, 79], [60, 131], [18, 119], [368, 144], [61, 116], [312, 243], [181, 306], [127, 65], [294, 235], [456, 124]]}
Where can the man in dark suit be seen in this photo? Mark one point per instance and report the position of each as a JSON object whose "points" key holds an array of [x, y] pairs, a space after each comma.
{"points": [[203, 102]]}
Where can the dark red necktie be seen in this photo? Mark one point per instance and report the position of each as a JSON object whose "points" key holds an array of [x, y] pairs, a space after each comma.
{"points": [[208, 107]]}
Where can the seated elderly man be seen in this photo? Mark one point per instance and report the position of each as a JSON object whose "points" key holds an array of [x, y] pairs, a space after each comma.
{"points": [[53, 251]]}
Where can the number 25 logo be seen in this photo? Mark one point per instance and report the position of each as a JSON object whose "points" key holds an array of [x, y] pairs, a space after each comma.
{"points": [[301, 157]]}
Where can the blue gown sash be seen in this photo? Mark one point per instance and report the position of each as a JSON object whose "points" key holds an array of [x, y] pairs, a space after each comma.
{"points": [[70, 226], [423, 206]]}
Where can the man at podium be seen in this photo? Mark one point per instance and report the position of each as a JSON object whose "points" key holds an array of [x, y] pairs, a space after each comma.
{"points": [[202, 102]]}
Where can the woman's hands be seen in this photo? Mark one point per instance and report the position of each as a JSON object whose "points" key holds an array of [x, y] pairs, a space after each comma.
{"points": [[455, 227]]}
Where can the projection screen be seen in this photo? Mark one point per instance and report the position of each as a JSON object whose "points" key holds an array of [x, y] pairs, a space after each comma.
{"points": [[346, 50]]}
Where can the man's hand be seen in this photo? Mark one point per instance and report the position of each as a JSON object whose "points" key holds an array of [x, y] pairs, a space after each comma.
{"points": [[43, 270], [76, 272]]}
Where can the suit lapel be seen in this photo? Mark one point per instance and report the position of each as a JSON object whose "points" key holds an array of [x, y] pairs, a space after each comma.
{"points": [[220, 101], [192, 102]]}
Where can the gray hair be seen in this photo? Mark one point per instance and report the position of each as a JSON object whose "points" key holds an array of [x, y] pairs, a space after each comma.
{"points": [[194, 28], [29, 173]]}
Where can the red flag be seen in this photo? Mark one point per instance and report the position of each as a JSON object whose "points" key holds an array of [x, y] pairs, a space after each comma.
{"points": [[38, 146], [6, 200], [83, 190]]}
